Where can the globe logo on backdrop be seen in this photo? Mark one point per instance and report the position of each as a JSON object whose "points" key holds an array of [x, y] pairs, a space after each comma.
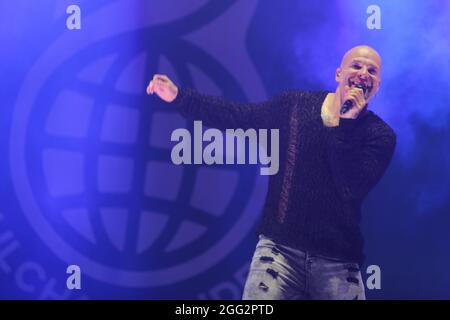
{"points": [[90, 160]]}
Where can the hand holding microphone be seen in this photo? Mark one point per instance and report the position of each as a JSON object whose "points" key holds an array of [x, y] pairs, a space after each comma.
{"points": [[356, 98]]}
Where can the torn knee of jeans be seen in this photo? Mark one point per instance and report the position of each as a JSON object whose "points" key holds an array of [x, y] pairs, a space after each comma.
{"points": [[263, 286], [353, 280], [272, 272], [275, 250], [266, 259]]}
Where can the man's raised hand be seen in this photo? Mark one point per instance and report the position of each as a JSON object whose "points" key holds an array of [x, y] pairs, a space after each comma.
{"points": [[163, 87]]}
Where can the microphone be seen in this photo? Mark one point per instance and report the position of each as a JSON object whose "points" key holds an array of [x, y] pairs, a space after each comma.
{"points": [[349, 103]]}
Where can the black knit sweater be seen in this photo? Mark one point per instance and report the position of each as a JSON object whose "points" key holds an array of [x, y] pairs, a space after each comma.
{"points": [[314, 201]]}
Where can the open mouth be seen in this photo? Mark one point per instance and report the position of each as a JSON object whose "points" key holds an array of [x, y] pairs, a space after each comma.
{"points": [[352, 84]]}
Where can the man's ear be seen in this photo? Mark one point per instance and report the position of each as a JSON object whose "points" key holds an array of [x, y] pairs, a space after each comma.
{"points": [[338, 74]]}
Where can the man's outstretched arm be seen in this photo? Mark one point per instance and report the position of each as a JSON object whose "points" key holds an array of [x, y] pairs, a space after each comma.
{"points": [[214, 111]]}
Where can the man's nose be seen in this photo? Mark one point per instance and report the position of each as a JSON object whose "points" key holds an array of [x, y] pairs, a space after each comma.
{"points": [[363, 76], [363, 72]]}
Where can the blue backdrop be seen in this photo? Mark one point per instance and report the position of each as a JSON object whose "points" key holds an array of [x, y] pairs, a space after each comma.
{"points": [[86, 175]]}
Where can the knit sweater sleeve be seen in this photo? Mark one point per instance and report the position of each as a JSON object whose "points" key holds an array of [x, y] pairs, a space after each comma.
{"points": [[220, 113], [356, 167]]}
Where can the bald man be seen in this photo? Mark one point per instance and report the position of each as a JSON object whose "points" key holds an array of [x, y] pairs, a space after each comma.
{"points": [[361, 65], [333, 151]]}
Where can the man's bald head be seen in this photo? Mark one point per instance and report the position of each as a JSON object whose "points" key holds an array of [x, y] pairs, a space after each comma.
{"points": [[361, 51]]}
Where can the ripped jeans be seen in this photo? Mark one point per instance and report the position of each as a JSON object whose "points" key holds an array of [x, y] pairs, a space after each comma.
{"points": [[278, 272]]}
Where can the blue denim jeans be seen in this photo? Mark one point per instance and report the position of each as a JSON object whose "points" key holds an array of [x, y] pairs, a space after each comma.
{"points": [[279, 272]]}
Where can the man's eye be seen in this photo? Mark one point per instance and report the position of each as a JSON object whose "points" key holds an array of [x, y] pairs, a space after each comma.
{"points": [[356, 66], [372, 71]]}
